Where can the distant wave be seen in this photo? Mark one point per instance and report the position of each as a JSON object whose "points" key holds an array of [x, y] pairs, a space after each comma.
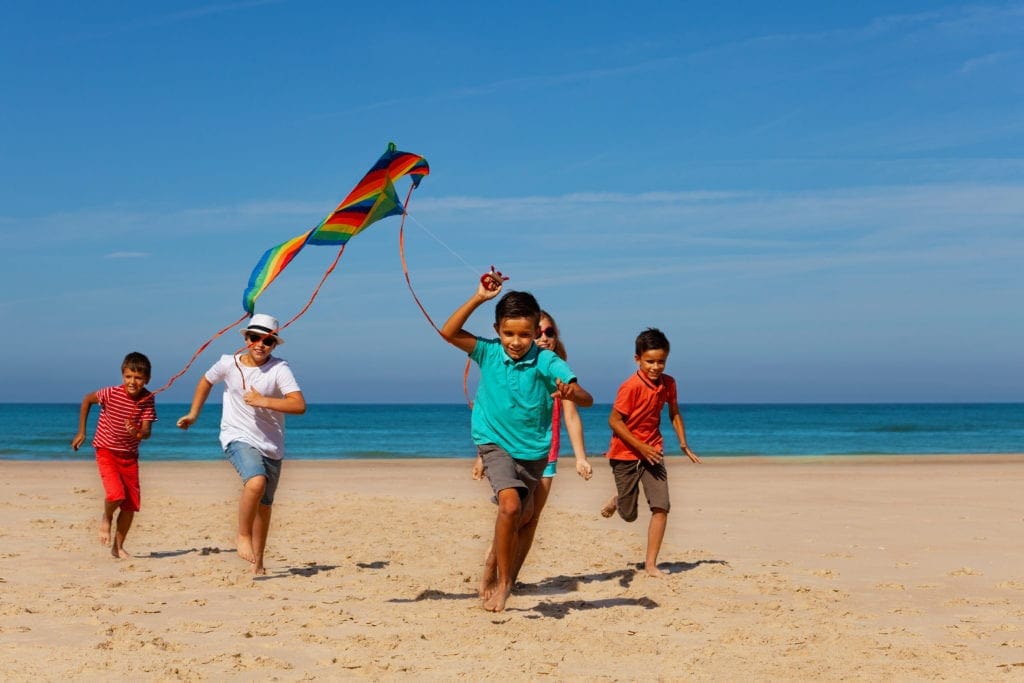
{"points": [[907, 429]]}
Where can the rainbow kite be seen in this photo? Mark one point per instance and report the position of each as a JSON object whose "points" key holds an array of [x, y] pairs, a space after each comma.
{"points": [[372, 199]]}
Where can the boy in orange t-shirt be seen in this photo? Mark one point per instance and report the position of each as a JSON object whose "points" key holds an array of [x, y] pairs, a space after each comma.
{"points": [[636, 452]]}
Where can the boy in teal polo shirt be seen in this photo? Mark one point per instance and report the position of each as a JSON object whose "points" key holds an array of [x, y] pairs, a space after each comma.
{"points": [[511, 423]]}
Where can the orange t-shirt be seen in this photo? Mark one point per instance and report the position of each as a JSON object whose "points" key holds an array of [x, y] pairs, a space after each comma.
{"points": [[640, 402]]}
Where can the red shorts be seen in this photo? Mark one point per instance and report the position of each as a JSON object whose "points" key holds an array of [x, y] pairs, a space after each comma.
{"points": [[119, 471]]}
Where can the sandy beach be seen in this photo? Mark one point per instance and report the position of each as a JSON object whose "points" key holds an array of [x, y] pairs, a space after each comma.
{"points": [[845, 568]]}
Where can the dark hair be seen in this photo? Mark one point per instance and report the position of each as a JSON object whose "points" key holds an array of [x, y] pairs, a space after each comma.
{"points": [[559, 346], [137, 362], [517, 305], [651, 339]]}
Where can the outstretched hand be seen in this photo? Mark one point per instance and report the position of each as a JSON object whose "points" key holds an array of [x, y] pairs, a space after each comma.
{"points": [[691, 455]]}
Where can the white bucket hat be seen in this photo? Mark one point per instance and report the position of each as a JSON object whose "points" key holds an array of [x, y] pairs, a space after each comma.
{"points": [[261, 323]]}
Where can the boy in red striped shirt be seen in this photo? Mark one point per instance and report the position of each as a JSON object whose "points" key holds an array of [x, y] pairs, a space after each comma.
{"points": [[126, 413]]}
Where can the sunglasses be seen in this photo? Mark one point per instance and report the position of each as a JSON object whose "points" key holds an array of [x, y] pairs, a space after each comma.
{"points": [[548, 332], [266, 341]]}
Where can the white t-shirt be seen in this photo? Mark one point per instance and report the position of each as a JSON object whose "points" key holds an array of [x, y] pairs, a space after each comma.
{"points": [[259, 427]]}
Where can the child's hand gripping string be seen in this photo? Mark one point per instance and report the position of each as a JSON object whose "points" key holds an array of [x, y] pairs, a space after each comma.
{"points": [[492, 281], [133, 429]]}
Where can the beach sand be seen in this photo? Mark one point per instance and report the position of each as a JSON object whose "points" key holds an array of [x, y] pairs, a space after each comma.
{"points": [[781, 569]]}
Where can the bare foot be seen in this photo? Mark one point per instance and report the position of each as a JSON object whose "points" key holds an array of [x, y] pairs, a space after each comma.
{"points": [[119, 553], [609, 508], [105, 523], [489, 578], [498, 598], [652, 570], [259, 570], [244, 548]]}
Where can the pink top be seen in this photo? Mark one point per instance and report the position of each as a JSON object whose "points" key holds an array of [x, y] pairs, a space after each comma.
{"points": [[556, 430]]}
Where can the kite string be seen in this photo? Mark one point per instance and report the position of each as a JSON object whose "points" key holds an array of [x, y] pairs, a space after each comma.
{"points": [[473, 269], [198, 353], [408, 282]]}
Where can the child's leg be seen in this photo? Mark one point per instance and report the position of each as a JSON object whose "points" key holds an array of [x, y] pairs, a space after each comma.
{"points": [[609, 508], [124, 523], [113, 488], [627, 474], [506, 528], [528, 525], [260, 529], [655, 483], [107, 520], [655, 535], [248, 506]]}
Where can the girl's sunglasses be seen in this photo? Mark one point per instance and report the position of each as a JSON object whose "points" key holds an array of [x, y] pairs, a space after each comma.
{"points": [[548, 332], [267, 341]]}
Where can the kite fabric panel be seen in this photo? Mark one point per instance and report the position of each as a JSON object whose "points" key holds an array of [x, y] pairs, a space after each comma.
{"points": [[372, 199]]}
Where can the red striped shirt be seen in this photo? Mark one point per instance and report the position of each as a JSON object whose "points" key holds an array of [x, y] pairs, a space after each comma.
{"points": [[116, 406]]}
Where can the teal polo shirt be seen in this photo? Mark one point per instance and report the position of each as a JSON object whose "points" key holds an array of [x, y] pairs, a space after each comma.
{"points": [[513, 399]]}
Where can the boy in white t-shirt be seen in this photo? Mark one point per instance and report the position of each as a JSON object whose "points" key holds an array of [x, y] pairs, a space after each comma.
{"points": [[259, 390]]}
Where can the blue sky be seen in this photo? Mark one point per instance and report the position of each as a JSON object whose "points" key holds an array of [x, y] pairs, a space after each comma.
{"points": [[815, 201]]}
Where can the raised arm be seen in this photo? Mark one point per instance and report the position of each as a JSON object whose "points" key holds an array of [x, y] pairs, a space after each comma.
{"points": [[453, 331], [83, 419]]}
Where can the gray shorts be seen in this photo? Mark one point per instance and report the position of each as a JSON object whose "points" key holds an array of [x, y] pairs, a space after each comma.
{"points": [[506, 472], [249, 462], [629, 475]]}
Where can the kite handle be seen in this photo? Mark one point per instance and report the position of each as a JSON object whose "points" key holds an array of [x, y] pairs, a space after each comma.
{"points": [[492, 280]]}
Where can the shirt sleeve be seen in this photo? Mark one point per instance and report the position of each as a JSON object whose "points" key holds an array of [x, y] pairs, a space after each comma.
{"points": [[555, 367], [479, 351], [216, 372], [149, 408], [625, 399], [286, 381]]}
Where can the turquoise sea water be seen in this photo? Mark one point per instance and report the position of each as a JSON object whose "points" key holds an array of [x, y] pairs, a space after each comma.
{"points": [[44, 431]]}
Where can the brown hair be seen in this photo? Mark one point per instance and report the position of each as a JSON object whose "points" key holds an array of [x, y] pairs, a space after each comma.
{"points": [[559, 346]]}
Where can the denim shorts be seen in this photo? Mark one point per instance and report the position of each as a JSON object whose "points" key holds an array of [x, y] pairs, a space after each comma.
{"points": [[249, 462]]}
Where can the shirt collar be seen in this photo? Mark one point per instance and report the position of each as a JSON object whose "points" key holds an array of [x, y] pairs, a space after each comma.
{"points": [[646, 380], [530, 358]]}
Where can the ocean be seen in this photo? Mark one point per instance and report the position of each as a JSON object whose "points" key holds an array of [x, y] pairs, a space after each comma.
{"points": [[43, 431]]}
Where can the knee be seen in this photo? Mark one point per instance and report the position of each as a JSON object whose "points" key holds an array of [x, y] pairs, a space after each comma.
{"points": [[510, 507], [257, 484]]}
